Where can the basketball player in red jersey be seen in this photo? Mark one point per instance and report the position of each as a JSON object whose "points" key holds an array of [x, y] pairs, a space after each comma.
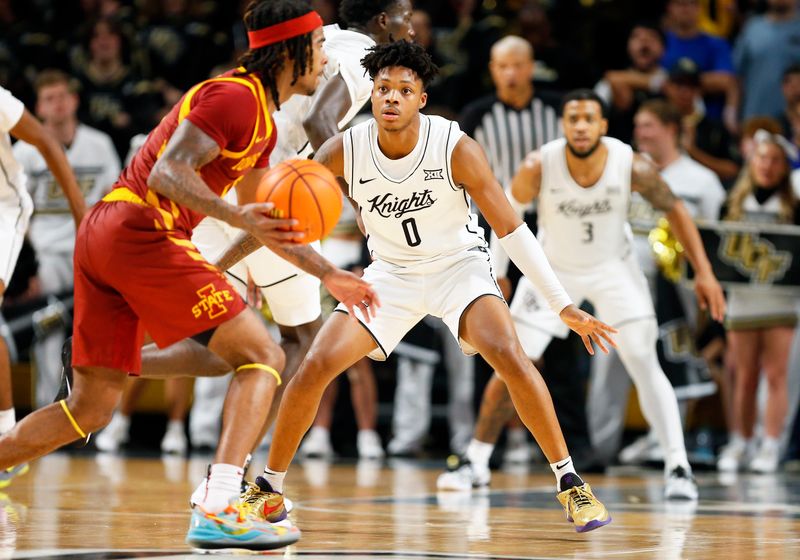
{"points": [[137, 272]]}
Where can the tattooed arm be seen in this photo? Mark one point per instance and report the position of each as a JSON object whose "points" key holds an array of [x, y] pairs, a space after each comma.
{"points": [[646, 180], [175, 176]]}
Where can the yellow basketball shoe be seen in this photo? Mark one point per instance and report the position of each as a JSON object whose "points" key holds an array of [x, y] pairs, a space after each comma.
{"points": [[264, 502], [583, 509]]}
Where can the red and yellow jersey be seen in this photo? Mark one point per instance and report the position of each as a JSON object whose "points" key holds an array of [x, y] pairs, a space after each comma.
{"points": [[232, 109]]}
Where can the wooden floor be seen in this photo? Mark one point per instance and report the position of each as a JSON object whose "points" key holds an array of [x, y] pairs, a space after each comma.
{"points": [[105, 506]]}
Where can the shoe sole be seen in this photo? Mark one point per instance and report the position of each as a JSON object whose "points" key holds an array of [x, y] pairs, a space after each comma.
{"points": [[592, 525], [223, 546]]}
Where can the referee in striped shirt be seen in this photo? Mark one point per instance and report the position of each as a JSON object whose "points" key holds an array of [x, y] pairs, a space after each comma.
{"points": [[508, 125], [513, 121]]}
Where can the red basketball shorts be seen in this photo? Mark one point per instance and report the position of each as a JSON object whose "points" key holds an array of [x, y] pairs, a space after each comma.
{"points": [[131, 278]]}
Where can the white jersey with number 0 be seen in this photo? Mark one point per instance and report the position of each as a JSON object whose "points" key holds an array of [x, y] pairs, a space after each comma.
{"points": [[584, 227], [412, 210]]}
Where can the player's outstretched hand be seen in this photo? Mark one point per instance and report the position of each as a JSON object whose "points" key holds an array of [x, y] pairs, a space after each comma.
{"points": [[710, 296], [353, 292], [589, 328], [257, 219]]}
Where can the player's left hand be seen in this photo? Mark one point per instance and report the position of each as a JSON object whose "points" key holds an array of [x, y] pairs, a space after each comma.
{"points": [[589, 328], [353, 292], [710, 295]]}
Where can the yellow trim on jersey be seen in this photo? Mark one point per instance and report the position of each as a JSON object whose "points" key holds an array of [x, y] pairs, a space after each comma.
{"points": [[255, 88]]}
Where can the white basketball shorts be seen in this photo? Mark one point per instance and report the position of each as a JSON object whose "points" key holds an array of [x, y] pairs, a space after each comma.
{"points": [[443, 288], [617, 289], [14, 221]]}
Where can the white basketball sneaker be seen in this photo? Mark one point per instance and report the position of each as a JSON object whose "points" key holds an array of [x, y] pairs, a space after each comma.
{"points": [[463, 476], [733, 455], [369, 445], [115, 435], [174, 440], [767, 458], [317, 443], [680, 484]]}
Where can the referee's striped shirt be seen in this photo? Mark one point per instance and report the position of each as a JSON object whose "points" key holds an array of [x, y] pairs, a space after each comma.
{"points": [[506, 134]]}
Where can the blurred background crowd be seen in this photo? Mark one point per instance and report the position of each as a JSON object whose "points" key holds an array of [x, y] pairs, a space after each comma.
{"points": [[694, 84]]}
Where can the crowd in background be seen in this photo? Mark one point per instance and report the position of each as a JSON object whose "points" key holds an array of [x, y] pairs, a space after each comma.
{"points": [[695, 83]]}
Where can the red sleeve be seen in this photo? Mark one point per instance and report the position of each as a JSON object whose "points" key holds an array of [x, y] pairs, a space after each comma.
{"points": [[263, 161], [226, 111]]}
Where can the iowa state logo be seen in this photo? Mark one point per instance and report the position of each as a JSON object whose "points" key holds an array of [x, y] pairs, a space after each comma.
{"points": [[754, 257], [212, 302]]}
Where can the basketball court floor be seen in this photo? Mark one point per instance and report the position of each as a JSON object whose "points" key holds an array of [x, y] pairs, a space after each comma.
{"points": [[105, 506]]}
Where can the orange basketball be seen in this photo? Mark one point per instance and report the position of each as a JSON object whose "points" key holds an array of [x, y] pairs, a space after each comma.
{"points": [[305, 190]]}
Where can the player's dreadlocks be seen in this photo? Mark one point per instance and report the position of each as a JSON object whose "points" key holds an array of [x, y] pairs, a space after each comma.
{"points": [[268, 61], [359, 12], [401, 53]]}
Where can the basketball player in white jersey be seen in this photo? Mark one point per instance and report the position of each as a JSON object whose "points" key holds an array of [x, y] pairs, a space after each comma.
{"points": [[411, 178], [16, 208], [583, 184]]}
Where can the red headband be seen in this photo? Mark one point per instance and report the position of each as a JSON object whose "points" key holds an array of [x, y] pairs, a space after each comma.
{"points": [[284, 30]]}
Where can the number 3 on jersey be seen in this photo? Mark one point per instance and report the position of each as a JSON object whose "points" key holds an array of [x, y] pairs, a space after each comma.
{"points": [[411, 232], [588, 232]]}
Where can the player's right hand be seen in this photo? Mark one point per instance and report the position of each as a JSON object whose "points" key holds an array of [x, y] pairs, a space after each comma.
{"points": [[257, 219], [589, 328]]}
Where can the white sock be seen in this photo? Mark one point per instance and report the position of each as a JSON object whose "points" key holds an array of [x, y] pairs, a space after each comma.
{"points": [[224, 483], [564, 467], [478, 453], [7, 420], [769, 443], [174, 425], [275, 479]]}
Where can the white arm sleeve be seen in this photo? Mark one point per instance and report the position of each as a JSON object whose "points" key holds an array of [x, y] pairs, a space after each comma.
{"points": [[524, 249], [500, 256]]}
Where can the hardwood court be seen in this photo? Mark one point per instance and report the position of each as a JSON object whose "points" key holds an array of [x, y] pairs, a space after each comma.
{"points": [[112, 507]]}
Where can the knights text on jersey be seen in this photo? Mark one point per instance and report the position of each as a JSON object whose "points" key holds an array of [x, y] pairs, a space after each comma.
{"points": [[411, 209], [584, 227]]}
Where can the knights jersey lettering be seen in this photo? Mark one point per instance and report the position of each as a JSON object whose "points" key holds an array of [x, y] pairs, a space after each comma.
{"points": [[411, 209], [583, 227]]}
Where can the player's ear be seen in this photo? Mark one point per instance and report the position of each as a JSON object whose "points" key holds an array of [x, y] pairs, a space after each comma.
{"points": [[423, 99], [603, 127]]}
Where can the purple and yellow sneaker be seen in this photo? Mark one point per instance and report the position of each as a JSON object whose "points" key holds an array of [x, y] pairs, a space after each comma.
{"points": [[583, 509], [265, 503]]}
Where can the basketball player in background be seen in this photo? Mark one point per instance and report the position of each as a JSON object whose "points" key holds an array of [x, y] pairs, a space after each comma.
{"points": [[412, 176], [218, 135], [304, 122], [583, 184], [16, 208]]}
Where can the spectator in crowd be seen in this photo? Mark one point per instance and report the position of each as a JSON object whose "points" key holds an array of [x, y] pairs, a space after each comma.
{"points": [[625, 90], [761, 325], [712, 56], [702, 138], [113, 98], [558, 69], [91, 154], [790, 88], [768, 44]]}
